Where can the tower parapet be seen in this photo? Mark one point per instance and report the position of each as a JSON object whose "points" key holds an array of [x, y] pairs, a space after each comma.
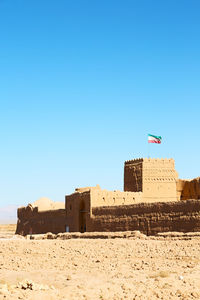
{"points": [[156, 178]]}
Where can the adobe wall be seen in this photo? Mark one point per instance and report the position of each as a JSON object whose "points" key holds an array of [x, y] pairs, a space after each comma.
{"points": [[149, 218], [79, 204], [155, 178], [78, 210], [159, 180], [188, 189], [32, 221], [101, 198], [179, 188], [133, 175]]}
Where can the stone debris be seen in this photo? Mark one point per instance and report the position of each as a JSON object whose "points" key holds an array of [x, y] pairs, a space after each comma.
{"points": [[180, 235], [30, 285], [136, 234], [7, 289], [88, 235], [51, 236]]}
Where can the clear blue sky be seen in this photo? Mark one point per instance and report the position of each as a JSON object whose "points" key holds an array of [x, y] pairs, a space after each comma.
{"points": [[82, 83]]}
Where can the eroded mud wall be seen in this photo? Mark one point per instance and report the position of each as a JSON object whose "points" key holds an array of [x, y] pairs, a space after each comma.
{"points": [[189, 189], [149, 218], [32, 221]]}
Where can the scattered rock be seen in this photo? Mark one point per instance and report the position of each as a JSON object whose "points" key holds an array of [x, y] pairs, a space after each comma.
{"points": [[30, 285], [3, 289], [50, 236]]}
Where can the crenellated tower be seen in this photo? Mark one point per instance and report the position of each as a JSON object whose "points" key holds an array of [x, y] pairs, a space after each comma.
{"points": [[155, 178]]}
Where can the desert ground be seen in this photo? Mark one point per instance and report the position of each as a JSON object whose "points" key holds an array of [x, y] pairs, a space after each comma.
{"points": [[7, 230], [95, 268]]}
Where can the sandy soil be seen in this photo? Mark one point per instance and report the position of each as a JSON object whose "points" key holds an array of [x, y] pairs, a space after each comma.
{"points": [[7, 230], [100, 269]]}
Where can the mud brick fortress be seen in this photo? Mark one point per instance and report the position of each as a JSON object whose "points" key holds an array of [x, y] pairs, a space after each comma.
{"points": [[153, 200]]}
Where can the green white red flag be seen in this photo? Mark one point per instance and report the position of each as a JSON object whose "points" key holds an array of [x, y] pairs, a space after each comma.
{"points": [[154, 139]]}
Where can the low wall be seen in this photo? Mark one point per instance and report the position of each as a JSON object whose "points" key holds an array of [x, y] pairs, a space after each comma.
{"points": [[30, 221], [148, 218]]}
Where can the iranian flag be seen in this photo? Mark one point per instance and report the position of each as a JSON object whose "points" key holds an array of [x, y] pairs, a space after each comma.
{"points": [[154, 139]]}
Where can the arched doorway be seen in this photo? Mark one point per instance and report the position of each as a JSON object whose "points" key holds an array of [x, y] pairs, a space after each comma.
{"points": [[82, 217]]}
